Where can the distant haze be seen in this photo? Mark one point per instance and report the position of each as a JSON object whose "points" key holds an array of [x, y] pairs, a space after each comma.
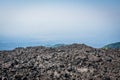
{"points": [[94, 22]]}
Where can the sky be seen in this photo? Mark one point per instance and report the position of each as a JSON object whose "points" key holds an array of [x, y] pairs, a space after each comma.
{"points": [[92, 22]]}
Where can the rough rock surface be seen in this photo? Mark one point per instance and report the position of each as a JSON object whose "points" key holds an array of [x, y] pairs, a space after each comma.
{"points": [[70, 62]]}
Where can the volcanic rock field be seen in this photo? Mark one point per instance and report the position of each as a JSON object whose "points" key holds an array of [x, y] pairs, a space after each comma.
{"points": [[69, 62]]}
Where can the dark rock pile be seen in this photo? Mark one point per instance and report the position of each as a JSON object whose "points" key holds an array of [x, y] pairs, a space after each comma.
{"points": [[71, 62]]}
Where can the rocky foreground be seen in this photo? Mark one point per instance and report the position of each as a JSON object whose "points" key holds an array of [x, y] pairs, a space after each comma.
{"points": [[71, 62]]}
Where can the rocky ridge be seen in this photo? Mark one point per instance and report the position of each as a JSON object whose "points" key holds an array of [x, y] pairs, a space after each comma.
{"points": [[70, 62]]}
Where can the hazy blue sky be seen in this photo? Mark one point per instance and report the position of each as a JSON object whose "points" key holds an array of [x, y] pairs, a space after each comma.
{"points": [[93, 22]]}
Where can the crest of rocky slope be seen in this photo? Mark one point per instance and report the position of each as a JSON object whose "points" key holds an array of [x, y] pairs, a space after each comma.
{"points": [[112, 46], [70, 62]]}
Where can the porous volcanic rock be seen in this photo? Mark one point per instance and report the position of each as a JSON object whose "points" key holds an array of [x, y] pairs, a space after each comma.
{"points": [[70, 62]]}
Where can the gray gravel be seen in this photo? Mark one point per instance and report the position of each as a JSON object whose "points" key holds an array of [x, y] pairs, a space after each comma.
{"points": [[70, 62]]}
